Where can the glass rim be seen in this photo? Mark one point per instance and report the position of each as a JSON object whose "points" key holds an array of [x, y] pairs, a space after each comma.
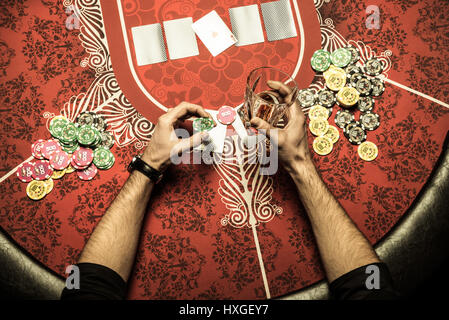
{"points": [[290, 79]]}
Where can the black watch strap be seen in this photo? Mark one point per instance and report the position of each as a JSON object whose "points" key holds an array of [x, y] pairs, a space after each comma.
{"points": [[138, 164]]}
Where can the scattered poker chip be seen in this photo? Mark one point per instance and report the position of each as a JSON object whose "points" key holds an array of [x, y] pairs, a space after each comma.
{"points": [[378, 87], [355, 56], [48, 147], [354, 78], [87, 135], [322, 145], [364, 86], [355, 132], [333, 134], [58, 174], [348, 97], [87, 174], [107, 140], [318, 112], [85, 118], [321, 60], [59, 160], [341, 57], [42, 170], [352, 69], [103, 158], [370, 120], [343, 117], [367, 151], [326, 98], [100, 123], [202, 124], [49, 184], [226, 115], [306, 98], [318, 127], [25, 172], [36, 190], [365, 104], [335, 80], [36, 149], [83, 157], [373, 67]]}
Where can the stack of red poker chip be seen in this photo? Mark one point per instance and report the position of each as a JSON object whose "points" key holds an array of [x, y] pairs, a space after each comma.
{"points": [[88, 174], [36, 149], [25, 172], [42, 170], [48, 147], [59, 160], [82, 158]]}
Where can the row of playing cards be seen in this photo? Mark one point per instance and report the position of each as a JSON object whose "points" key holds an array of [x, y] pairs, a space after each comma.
{"points": [[214, 33]]}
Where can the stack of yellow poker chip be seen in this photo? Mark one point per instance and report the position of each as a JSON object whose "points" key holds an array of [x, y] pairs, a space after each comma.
{"points": [[326, 135], [335, 78]]}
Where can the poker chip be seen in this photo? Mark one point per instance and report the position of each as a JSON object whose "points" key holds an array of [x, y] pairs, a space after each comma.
{"points": [[42, 170], [107, 140], [36, 149], [370, 120], [69, 133], [83, 157], [100, 123], [365, 104], [378, 87], [85, 118], [318, 112], [59, 160], [103, 158], [58, 174], [326, 98], [57, 124], [363, 86], [318, 127], [352, 69], [367, 151], [49, 184], [202, 124], [87, 135], [25, 172], [87, 174], [36, 190], [75, 166], [355, 56], [333, 134], [322, 145], [347, 97], [70, 168], [343, 117], [335, 80], [48, 147], [373, 67], [321, 60], [355, 132], [341, 57], [226, 115], [306, 98]]}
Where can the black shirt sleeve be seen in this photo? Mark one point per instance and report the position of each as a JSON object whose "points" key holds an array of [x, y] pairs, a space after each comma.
{"points": [[97, 282], [352, 285]]}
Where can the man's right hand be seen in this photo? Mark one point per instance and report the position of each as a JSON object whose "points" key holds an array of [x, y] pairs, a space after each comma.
{"points": [[292, 140]]}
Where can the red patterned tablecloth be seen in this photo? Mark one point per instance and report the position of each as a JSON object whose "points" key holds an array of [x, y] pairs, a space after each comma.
{"points": [[192, 245]]}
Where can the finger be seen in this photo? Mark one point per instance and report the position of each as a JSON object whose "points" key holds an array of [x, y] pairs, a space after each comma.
{"points": [[296, 116], [261, 125], [279, 86], [186, 109], [192, 142]]}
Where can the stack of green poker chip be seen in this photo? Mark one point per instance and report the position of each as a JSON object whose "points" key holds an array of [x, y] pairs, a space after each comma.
{"points": [[57, 125], [88, 136], [321, 60], [202, 124], [103, 158], [341, 57]]}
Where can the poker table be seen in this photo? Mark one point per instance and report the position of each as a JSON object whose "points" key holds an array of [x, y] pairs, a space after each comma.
{"points": [[214, 231]]}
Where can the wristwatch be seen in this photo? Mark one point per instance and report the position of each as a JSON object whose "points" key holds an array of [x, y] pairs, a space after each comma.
{"points": [[138, 164]]}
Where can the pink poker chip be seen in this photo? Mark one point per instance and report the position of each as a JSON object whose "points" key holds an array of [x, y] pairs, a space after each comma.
{"points": [[49, 147], [83, 157], [226, 115], [25, 172], [36, 149], [60, 160], [87, 174], [77, 167], [42, 170]]}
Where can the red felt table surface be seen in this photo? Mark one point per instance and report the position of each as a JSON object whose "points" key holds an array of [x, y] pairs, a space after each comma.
{"points": [[192, 243]]}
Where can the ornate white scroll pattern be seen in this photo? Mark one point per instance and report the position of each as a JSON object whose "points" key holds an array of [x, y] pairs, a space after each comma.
{"points": [[104, 95]]}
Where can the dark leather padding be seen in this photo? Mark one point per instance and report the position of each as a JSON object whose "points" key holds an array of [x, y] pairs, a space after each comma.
{"points": [[414, 249]]}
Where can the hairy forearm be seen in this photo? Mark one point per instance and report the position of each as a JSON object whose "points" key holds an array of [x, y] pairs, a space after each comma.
{"points": [[114, 241], [342, 246]]}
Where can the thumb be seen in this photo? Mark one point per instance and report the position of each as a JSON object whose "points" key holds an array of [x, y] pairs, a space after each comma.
{"points": [[261, 125]]}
